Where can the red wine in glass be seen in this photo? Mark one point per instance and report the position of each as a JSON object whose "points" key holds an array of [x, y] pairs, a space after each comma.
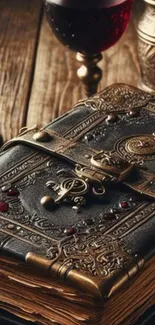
{"points": [[88, 26]]}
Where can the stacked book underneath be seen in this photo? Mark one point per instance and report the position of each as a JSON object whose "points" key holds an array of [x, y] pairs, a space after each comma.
{"points": [[39, 298]]}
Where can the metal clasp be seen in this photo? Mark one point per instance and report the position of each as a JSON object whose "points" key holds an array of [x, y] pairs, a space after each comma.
{"points": [[112, 165], [71, 191], [95, 179]]}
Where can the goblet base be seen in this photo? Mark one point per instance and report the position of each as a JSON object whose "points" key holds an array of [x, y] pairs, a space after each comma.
{"points": [[89, 73]]}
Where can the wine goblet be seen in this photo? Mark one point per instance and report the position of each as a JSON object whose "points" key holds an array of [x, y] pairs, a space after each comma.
{"points": [[88, 27]]}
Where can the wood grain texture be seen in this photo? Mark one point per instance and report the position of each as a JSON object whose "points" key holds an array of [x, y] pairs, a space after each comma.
{"points": [[56, 87], [19, 23]]}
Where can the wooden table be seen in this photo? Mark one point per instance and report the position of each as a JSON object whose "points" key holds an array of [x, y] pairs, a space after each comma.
{"points": [[38, 78]]}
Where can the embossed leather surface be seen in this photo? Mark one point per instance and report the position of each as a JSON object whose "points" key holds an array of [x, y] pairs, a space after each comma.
{"points": [[102, 153]]}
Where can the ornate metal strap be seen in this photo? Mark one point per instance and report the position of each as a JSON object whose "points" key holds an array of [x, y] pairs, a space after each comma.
{"points": [[108, 163], [98, 167], [91, 166]]}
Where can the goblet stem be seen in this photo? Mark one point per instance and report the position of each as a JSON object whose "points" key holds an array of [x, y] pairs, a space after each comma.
{"points": [[89, 73]]}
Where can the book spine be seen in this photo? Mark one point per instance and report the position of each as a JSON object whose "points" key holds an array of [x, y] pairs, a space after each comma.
{"points": [[100, 287]]}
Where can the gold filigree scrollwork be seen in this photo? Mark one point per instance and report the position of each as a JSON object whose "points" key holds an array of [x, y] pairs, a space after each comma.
{"points": [[71, 190], [74, 190], [95, 255], [120, 98], [105, 167]]}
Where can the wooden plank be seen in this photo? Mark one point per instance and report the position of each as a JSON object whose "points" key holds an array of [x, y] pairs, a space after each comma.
{"points": [[19, 25], [56, 88], [55, 85]]}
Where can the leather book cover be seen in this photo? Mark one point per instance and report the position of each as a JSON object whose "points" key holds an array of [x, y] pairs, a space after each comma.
{"points": [[77, 198]]}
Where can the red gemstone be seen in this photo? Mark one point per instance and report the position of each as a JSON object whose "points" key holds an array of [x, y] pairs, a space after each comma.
{"points": [[124, 205], [4, 206], [70, 231], [12, 192]]}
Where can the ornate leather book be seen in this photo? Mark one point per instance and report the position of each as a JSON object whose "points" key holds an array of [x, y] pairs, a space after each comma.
{"points": [[77, 213]]}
